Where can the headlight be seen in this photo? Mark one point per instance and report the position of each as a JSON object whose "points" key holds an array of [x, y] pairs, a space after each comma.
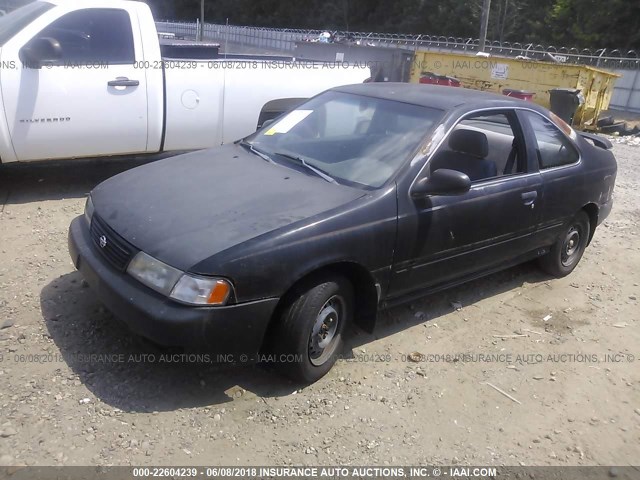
{"points": [[177, 285], [153, 273], [201, 290], [88, 210]]}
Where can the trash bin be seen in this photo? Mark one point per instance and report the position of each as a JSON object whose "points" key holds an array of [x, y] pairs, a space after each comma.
{"points": [[431, 78], [565, 102], [521, 94]]}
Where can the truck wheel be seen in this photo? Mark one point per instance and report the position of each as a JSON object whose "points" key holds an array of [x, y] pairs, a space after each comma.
{"points": [[311, 330], [568, 249]]}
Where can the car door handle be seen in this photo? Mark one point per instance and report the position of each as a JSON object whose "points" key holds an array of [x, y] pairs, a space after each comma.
{"points": [[123, 82], [529, 197]]}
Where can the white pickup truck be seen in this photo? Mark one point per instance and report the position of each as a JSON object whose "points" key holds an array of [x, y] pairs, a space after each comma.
{"points": [[86, 78]]}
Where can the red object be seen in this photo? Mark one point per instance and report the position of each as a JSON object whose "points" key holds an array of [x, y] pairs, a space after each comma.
{"points": [[521, 94], [430, 78]]}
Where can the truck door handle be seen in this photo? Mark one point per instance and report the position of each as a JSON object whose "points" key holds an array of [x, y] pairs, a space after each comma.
{"points": [[529, 197], [123, 82]]}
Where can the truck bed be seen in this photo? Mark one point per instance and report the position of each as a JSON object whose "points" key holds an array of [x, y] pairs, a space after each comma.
{"points": [[175, 49], [188, 49]]}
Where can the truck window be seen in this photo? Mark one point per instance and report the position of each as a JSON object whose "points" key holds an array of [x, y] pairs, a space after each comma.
{"points": [[15, 21], [93, 35]]}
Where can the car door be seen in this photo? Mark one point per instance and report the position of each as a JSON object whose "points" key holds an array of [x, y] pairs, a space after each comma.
{"points": [[442, 238], [91, 100], [562, 176]]}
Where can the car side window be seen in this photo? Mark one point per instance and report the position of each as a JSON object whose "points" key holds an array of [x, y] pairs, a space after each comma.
{"points": [[553, 148], [93, 35], [483, 146]]}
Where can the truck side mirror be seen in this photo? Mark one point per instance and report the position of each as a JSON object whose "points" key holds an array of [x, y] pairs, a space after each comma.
{"points": [[40, 51], [442, 182]]}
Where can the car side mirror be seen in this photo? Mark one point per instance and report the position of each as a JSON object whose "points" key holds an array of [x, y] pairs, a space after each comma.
{"points": [[442, 182], [40, 51]]}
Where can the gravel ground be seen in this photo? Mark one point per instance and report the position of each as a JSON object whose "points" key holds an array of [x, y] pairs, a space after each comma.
{"points": [[559, 401]]}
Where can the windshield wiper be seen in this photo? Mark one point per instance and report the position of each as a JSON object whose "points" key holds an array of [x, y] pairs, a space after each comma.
{"points": [[304, 163], [254, 150]]}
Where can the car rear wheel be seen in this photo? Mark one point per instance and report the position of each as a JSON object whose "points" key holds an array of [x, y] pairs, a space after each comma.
{"points": [[568, 249], [310, 334]]}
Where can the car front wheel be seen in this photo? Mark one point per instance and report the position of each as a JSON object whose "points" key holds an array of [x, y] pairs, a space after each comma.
{"points": [[568, 249], [311, 331]]}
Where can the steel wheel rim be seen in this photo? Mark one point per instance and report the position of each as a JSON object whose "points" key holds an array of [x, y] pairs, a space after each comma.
{"points": [[571, 246], [325, 331]]}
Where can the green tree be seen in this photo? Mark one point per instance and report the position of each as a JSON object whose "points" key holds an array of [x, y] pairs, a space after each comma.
{"points": [[593, 23]]}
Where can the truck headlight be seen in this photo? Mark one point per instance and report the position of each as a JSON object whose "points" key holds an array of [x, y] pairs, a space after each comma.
{"points": [[88, 210], [197, 290], [177, 285], [153, 273]]}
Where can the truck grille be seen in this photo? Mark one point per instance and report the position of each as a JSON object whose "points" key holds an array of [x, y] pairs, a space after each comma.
{"points": [[112, 246]]}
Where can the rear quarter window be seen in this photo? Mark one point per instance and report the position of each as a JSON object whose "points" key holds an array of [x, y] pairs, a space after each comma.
{"points": [[553, 148]]}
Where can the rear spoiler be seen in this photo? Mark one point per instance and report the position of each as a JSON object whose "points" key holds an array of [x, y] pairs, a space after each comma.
{"points": [[597, 140]]}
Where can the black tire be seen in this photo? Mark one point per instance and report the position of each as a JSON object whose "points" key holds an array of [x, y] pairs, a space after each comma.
{"points": [[566, 253], [323, 307]]}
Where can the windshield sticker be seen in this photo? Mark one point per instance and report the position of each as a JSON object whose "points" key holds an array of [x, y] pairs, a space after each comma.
{"points": [[288, 122]]}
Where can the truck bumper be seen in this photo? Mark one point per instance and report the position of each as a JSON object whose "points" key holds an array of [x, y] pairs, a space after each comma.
{"points": [[229, 331]]}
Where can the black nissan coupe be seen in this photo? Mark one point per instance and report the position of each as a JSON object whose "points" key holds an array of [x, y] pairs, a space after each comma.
{"points": [[360, 198]]}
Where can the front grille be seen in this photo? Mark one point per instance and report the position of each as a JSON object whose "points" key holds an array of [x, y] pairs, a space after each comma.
{"points": [[112, 246]]}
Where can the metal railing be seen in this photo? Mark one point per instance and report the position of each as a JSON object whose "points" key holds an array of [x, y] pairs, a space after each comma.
{"points": [[285, 39]]}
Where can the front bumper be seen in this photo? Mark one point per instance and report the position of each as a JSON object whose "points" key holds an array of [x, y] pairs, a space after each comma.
{"points": [[230, 330]]}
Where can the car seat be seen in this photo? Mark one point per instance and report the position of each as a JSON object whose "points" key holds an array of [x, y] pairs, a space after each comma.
{"points": [[466, 153]]}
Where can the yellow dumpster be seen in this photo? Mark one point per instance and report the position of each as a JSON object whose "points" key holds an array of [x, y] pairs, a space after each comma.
{"points": [[496, 74]]}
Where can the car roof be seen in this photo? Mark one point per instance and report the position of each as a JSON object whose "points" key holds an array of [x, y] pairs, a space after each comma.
{"points": [[434, 96]]}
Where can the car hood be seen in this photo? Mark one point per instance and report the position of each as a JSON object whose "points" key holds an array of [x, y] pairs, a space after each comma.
{"points": [[184, 209]]}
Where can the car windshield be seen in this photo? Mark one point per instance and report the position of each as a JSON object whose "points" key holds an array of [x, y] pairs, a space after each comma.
{"points": [[353, 139], [16, 20]]}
